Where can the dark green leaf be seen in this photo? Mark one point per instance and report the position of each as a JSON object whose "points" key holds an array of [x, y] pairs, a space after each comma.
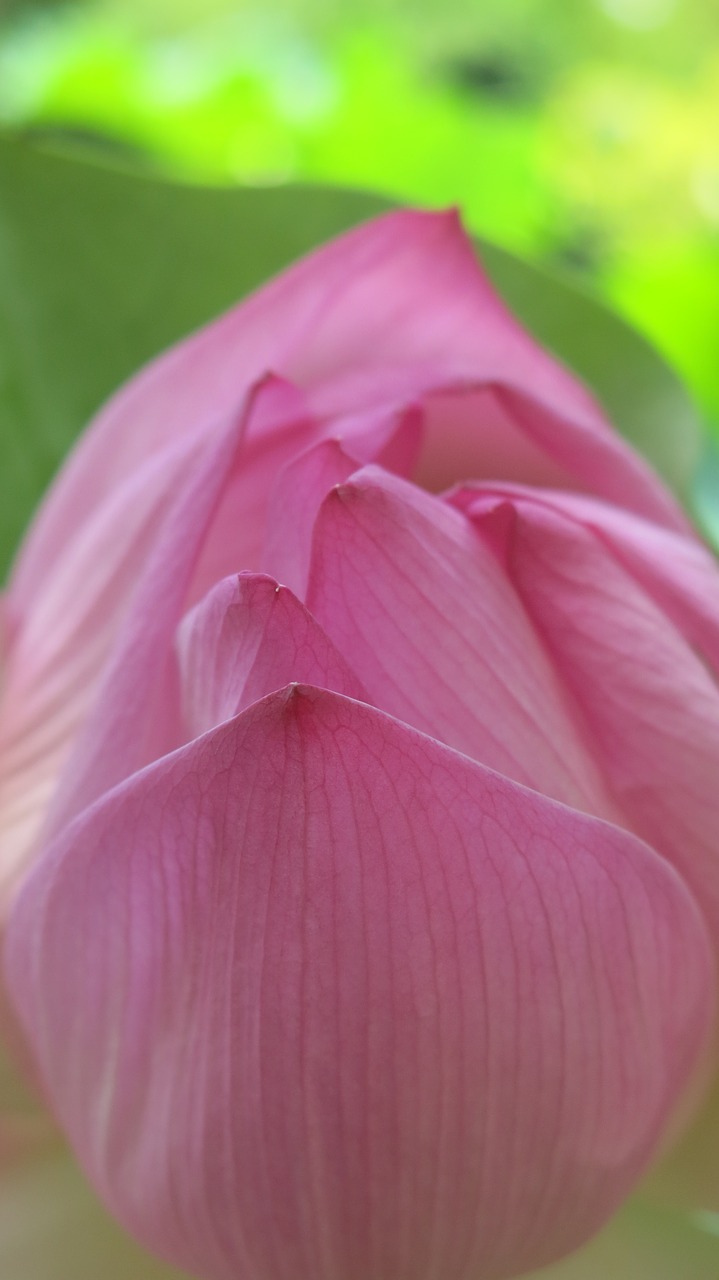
{"points": [[645, 1242]]}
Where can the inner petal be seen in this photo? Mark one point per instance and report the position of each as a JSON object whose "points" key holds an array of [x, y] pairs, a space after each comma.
{"points": [[473, 434]]}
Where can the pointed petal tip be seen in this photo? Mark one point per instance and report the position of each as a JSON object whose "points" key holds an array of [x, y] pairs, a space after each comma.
{"points": [[298, 698], [443, 224], [342, 493]]}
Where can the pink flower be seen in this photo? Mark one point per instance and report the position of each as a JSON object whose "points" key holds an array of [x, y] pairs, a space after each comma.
{"points": [[361, 927]]}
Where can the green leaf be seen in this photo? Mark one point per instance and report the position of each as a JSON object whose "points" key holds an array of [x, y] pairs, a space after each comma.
{"points": [[645, 1242], [53, 1226], [100, 269]]}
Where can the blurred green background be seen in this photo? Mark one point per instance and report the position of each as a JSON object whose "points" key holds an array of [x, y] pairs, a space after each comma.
{"points": [[583, 134]]}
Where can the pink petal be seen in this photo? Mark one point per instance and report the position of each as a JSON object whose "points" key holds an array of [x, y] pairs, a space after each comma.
{"points": [[59, 647], [57, 650], [650, 707], [472, 432], [340, 1003], [424, 615], [676, 570], [296, 497], [502, 429], [402, 300], [392, 440], [135, 717], [311, 321], [389, 438], [122, 710], [247, 638], [278, 426], [596, 583]]}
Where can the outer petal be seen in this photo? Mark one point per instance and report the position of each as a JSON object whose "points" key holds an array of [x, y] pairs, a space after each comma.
{"points": [[424, 615], [340, 1003], [402, 299], [136, 714], [650, 704], [55, 654], [59, 650], [248, 637]]}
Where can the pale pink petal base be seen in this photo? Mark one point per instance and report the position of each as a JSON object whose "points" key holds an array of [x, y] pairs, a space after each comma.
{"points": [[339, 1003]]}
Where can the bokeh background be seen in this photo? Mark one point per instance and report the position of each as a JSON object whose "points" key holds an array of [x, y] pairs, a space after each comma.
{"points": [[582, 134]]}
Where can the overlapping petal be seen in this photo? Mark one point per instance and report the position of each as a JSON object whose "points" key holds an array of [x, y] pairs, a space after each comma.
{"points": [[57, 647], [318, 997], [296, 498], [390, 312], [136, 713], [650, 706], [677, 571], [391, 441], [622, 606], [503, 429], [212, 522], [246, 638], [322, 315], [425, 616]]}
